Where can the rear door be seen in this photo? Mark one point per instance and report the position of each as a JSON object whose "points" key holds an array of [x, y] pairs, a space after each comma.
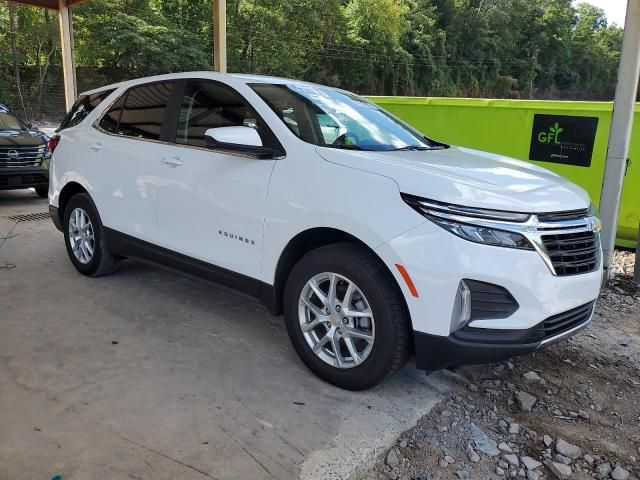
{"points": [[211, 203], [125, 153]]}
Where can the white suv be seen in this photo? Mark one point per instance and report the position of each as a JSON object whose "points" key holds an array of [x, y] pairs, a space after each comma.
{"points": [[376, 242]]}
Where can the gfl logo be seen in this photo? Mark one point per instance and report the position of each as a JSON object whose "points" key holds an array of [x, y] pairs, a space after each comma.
{"points": [[552, 135]]}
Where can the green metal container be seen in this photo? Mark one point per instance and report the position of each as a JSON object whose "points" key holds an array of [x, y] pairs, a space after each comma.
{"points": [[505, 127]]}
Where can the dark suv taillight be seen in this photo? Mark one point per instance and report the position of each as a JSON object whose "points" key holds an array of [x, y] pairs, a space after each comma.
{"points": [[53, 143]]}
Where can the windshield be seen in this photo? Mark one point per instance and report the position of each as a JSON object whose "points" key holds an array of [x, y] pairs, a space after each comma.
{"points": [[334, 118], [8, 121]]}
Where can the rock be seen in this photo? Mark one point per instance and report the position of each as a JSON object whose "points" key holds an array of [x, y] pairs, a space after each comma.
{"points": [[584, 414], [449, 459], [562, 459], [568, 450], [472, 387], [531, 377], [521, 473], [393, 460], [482, 441], [620, 474], [604, 469], [530, 463], [533, 475], [547, 441], [561, 472], [472, 455], [503, 425], [511, 460], [514, 428], [499, 471], [504, 447], [503, 464], [525, 400], [446, 414], [462, 474], [589, 459], [442, 463]]}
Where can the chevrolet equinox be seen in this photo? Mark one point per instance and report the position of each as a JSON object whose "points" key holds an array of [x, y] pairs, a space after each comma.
{"points": [[376, 242]]}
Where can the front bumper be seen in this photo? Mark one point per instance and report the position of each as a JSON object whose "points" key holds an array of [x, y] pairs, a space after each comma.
{"points": [[17, 178], [472, 346]]}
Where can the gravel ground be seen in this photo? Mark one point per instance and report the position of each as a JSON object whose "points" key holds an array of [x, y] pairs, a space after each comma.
{"points": [[569, 411]]}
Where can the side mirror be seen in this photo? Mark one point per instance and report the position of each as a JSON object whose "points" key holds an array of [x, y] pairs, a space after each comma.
{"points": [[237, 139], [32, 126]]}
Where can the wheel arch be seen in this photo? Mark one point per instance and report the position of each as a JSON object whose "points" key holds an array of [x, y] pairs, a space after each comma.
{"points": [[67, 192], [303, 243]]}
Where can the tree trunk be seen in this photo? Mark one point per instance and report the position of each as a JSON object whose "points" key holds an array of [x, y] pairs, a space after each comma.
{"points": [[13, 26]]}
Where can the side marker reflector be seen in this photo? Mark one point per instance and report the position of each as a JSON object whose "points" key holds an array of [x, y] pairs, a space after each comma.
{"points": [[407, 279]]}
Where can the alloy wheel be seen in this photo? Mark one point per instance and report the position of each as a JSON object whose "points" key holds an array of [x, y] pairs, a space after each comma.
{"points": [[336, 320], [81, 236]]}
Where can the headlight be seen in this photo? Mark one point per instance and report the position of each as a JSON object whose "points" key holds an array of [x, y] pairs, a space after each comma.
{"points": [[478, 234], [471, 223]]}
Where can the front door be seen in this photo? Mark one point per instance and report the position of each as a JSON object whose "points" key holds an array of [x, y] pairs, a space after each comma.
{"points": [[211, 203]]}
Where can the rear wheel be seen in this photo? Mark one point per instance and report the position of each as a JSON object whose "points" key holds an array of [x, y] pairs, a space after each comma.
{"points": [[346, 317], [85, 239], [42, 191]]}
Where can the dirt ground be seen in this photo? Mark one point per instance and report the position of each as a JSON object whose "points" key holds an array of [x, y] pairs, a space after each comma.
{"points": [[585, 418]]}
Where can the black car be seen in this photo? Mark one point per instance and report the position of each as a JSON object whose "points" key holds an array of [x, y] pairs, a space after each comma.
{"points": [[24, 161]]}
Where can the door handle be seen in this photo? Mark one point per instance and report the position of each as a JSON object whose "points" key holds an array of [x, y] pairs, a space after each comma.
{"points": [[96, 146], [172, 162]]}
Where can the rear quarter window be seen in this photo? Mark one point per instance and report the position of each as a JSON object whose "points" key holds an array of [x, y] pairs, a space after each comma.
{"points": [[83, 107]]}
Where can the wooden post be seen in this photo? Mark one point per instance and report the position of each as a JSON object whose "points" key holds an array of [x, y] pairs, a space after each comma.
{"points": [[220, 35], [68, 63]]}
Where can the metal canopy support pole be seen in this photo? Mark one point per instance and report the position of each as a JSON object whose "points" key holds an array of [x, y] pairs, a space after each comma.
{"points": [[620, 134], [68, 63], [220, 35]]}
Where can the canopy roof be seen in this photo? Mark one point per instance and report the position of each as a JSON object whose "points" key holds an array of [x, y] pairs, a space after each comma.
{"points": [[52, 4]]}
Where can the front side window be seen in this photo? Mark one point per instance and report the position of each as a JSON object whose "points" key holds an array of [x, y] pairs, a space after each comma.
{"points": [[334, 118], [206, 105], [82, 108], [8, 121], [140, 112]]}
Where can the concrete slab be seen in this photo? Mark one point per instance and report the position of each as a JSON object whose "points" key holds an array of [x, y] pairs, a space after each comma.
{"points": [[149, 375]]}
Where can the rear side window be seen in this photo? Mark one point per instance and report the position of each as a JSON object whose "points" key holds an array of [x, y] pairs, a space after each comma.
{"points": [[83, 107], [139, 113]]}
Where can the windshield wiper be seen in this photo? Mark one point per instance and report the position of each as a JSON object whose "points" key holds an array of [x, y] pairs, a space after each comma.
{"points": [[414, 148], [345, 147]]}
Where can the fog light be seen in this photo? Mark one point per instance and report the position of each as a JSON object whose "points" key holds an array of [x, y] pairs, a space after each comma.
{"points": [[462, 307]]}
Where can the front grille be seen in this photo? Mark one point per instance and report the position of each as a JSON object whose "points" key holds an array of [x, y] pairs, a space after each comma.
{"points": [[563, 216], [563, 322], [16, 181], [17, 156], [553, 326], [572, 253]]}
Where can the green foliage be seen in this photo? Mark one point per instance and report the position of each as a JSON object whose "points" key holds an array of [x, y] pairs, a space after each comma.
{"points": [[492, 48]]}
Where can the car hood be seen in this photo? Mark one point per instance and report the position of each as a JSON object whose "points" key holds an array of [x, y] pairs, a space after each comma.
{"points": [[21, 138], [468, 177]]}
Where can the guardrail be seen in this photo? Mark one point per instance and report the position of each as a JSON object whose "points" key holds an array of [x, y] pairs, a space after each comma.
{"points": [[557, 131]]}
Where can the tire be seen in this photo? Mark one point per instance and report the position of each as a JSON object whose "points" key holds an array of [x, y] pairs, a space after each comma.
{"points": [[101, 261], [42, 191], [375, 289]]}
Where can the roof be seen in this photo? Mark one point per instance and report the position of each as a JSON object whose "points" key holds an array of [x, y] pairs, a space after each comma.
{"points": [[241, 77], [51, 4]]}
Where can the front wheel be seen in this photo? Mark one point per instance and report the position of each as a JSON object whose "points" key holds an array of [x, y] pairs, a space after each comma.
{"points": [[42, 191], [346, 316]]}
